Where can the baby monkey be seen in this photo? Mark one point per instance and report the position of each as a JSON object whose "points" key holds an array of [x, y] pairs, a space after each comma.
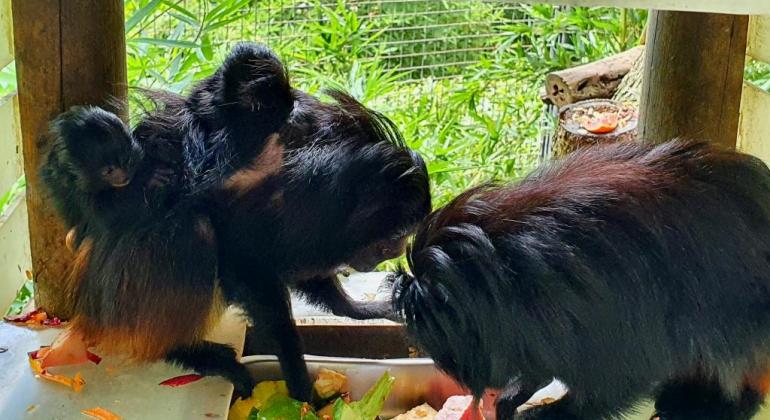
{"points": [[140, 246]]}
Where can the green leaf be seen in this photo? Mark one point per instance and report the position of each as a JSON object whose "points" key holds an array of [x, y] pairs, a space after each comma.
{"points": [[186, 19], [281, 407], [368, 407], [173, 43], [180, 9], [141, 14], [206, 47]]}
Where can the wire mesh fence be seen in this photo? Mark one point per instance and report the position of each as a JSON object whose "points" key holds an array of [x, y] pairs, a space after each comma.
{"points": [[420, 38], [461, 78]]}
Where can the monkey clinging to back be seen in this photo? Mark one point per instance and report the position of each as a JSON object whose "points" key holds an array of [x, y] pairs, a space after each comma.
{"points": [[624, 270], [140, 249]]}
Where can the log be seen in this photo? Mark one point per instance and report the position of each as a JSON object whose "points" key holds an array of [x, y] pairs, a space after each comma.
{"points": [[67, 53], [570, 135], [630, 88], [595, 80], [692, 77]]}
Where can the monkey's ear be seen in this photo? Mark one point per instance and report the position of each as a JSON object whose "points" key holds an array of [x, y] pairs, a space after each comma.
{"points": [[254, 78]]}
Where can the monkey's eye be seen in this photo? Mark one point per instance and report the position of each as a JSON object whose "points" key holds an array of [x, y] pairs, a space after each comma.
{"points": [[108, 170]]}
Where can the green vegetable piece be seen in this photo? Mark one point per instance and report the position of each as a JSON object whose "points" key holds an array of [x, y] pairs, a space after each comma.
{"points": [[368, 407], [281, 407], [342, 411]]}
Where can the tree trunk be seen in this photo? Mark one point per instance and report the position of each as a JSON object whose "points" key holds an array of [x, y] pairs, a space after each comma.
{"points": [[595, 80], [68, 53], [570, 136], [692, 77]]}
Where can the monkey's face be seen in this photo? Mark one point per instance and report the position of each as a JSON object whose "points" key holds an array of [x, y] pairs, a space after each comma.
{"points": [[453, 302], [368, 258], [103, 152]]}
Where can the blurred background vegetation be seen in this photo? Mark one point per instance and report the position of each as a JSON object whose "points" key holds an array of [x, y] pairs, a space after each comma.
{"points": [[461, 78]]}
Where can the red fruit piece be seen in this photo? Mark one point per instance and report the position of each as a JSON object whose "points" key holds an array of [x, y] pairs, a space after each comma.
{"points": [[181, 380]]}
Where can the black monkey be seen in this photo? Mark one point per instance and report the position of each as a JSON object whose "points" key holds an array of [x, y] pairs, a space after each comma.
{"points": [[295, 187], [140, 250], [92, 153], [617, 269], [349, 196]]}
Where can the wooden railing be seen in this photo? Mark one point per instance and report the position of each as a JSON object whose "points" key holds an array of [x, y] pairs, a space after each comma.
{"points": [[15, 259]]}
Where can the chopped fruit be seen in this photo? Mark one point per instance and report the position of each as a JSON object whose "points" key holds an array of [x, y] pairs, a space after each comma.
{"points": [[326, 413], [35, 318], [181, 380], [330, 383], [421, 412], [460, 408], [262, 392], [602, 123], [101, 414], [69, 348]]}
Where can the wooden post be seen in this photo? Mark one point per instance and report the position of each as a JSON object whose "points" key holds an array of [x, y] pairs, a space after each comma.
{"points": [[692, 77], [68, 52]]}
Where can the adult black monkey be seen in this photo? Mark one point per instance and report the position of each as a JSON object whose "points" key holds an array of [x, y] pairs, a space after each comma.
{"points": [[327, 184], [618, 268], [144, 279]]}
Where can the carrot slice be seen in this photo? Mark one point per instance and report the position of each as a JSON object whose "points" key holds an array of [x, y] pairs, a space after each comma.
{"points": [[101, 414]]}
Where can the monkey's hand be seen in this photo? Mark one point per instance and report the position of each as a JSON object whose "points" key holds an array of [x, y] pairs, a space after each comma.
{"points": [[161, 178], [515, 393], [71, 239]]}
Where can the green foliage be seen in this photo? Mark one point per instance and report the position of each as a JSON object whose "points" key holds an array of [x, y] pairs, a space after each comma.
{"points": [[759, 74], [481, 124], [7, 79], [23, 297]]}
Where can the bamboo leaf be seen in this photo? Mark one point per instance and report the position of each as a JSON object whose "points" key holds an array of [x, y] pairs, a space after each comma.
{"points": [[173, 43], [141, 14]]}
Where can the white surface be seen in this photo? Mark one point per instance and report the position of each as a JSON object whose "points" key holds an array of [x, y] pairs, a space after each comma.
{"points": [[129, 391]]}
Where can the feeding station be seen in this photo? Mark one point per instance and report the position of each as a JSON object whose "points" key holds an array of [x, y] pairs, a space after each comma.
{"points": [[73, 52]]}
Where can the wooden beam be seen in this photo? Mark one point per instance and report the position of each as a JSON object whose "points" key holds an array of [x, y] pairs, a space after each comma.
{"points": [[6, 33], [741, 7], [759, 38], [692, 77], [754, 133], [68, 52]]}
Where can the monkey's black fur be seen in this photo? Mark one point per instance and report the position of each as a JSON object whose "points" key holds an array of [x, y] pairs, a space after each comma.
{"points": [[92, 151], [616, 269], [295, 187], [140, 251]]}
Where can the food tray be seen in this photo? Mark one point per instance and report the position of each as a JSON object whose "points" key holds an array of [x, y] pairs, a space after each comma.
{"points": [[417, 380]]}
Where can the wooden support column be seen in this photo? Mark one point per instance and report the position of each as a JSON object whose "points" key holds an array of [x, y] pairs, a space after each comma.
{"points": [[68, 52], [692, 77]]}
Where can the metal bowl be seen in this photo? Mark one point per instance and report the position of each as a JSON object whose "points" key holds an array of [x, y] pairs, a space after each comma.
{"points": [[417, 380]]}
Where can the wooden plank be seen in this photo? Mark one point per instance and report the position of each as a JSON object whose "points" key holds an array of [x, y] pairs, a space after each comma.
{"points": [[67, 53], [6, 33], [10, 143], [741, 7], [692, 77], [15, 259], [759, 38], [754, 132]]}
